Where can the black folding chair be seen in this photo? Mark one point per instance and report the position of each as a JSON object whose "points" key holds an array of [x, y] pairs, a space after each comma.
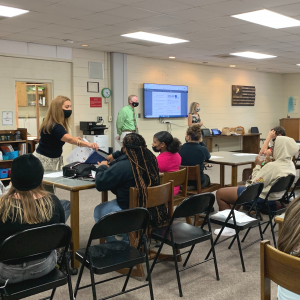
{"points": [[281, 185], [182, 235], [292, 193], [251, 192], [109, 257], [28, 244]]}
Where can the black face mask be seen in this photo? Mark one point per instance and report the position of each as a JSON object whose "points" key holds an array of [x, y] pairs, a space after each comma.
{"points": [[135, 104], [67, 113], [155, 149]]}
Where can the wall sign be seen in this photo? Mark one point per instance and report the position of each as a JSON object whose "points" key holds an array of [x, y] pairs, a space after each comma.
{"points": [[243, 95], [95, 101], [293, 105], [7, 118]]}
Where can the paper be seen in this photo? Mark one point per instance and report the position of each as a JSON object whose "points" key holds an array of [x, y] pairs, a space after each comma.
{"points": [[93, 174], [240, 217], [245, 154], [54, 175], [215, 157], [79, 154], [7, 118], [95, 156]]}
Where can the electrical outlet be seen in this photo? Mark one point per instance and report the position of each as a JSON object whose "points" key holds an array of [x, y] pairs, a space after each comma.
{"points": [[99, 119], [216, 145], [139, 115], [109, 118]]}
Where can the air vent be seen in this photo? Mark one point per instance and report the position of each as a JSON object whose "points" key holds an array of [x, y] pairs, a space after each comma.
{"points": [[144, 43], [224, 56]]}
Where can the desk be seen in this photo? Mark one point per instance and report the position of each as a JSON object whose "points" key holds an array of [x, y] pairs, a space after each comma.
{"points": [[279, 220], [74, 186], [251, 141], [233, 159]]}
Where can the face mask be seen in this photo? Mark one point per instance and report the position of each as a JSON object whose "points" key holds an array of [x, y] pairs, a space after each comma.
{"points": [[67, 113], [155, 149], [197, 109], [135, 104]]}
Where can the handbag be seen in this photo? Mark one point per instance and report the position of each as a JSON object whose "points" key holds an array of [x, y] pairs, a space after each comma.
{"points": [[239, 130], [225, 131], [77, 169]]}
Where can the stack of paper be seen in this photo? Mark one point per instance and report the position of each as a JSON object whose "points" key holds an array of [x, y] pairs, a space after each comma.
{"points": [[79, 154], [240, 217]]}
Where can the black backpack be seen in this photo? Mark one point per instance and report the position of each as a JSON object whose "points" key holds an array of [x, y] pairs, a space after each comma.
{"points": [[78, 169]]}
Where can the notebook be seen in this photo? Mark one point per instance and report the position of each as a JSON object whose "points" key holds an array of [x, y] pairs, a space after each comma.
{"points": [[96, 156]]}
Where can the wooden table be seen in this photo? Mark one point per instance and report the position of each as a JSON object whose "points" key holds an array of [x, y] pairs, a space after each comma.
{"points": [[279, 220], [251, 141], [74, 186], [233, 159]]}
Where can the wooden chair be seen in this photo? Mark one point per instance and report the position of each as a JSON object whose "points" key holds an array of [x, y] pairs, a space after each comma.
{"points": [[157, 195], [280, 267]]}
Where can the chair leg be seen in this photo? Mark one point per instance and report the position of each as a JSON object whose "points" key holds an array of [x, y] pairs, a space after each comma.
{"points": [[127, 278], [240, 250], [213, 251], [215, 242], [92, 279], [188, 257], [71, 295], [264, 231], [79, 278], [260, 232], [273, 234], [52, 294], [148, 270], [229, 247], [176, 265], [248, 230], [155, 259]]}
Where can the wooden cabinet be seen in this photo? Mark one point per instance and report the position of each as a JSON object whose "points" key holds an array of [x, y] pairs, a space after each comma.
{"points": [[21, 93], [291, 126]]}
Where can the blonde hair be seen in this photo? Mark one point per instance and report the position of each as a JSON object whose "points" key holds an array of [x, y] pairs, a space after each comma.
{"points": [[55, 115], [289, 238], [193, 108], [30, 207], [130, 98]]}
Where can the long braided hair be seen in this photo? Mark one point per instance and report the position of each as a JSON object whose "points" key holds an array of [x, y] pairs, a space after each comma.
{"points": [[144, 165]]}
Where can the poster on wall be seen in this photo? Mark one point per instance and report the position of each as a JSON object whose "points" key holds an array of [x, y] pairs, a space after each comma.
{"points": [[293, 105], [7, 118], [243, 95]]}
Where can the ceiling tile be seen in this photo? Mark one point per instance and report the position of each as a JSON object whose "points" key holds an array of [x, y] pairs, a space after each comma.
{"points": [[104, 18], [71, 36], [80, 24], [11, 28], [21, 23], [41, 17], [112, 30], [196, 3], [91, 33], [131, 12], [165, 20], [126, 2], [288, 10], [161, 6], [22, 37], [137, 25], [92, 5], [287, 38], [25, 4], [58, 28], [196, 14]]}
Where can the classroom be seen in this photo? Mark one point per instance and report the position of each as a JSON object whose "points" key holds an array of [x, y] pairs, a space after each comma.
{"points": [[128, 114]]}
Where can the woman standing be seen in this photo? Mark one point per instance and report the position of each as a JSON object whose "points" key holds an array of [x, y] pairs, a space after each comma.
{"points": [[54, 134], [194, 116]]}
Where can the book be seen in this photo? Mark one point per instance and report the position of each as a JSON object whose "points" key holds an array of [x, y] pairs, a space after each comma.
{"points": [[7, 148], [96, 156]]}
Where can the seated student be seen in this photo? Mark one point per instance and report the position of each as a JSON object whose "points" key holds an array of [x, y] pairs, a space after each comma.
{"points": [[289, 242], [192, 154], [265, 171], [27, 205], [168, 160], [272, 135], [134, 166]]}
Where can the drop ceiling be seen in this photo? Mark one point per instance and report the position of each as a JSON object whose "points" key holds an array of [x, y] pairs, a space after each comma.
{"points": [[207, 24]]}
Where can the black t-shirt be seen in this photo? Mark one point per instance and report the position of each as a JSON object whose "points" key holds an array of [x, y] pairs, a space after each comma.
{"points": [[50, 145], [193, 154], [9, 228]]}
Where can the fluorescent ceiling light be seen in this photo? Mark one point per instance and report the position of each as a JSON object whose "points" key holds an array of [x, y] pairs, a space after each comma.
{"points": [[232, 66], [298, 65], [254, 55], [6, 11], [268, 18], [172, 57], [154, 37]]}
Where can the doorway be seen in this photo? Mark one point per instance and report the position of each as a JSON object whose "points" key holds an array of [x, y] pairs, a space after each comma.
{"points": [[32, 102]]}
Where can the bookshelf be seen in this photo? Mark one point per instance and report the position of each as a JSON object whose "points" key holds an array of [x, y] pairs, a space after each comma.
{"points": [[15, 144]]}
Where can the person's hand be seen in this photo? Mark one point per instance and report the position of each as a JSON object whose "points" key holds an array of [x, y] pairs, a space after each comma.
{"points": [[268, 158], [272, 134], [109, 158], [103, 163], [94, 146], [269, 152], [258, 161], [79, 138], [201, 123]]}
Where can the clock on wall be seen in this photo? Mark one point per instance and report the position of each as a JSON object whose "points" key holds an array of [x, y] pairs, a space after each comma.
{"points": [[106, 92]]}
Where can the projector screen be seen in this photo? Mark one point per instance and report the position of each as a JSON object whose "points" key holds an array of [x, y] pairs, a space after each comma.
{"points": [[165, 101]]}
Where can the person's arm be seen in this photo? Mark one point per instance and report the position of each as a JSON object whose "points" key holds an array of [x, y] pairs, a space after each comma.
{"points": [[120, 121], [58, 209], [206, 153], [67, 138], [265, 146], [190, 120]]}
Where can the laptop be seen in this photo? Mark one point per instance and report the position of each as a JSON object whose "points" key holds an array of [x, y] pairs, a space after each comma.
{"points": [[205, 132]]}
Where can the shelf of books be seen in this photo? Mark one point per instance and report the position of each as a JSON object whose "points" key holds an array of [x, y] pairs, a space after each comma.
{"points": [[13, 143]]}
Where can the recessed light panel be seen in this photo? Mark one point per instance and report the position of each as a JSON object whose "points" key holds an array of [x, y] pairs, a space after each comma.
{"points": [[249, 54], [268, 18], [172, 57], [140, 35], [6, 11]]}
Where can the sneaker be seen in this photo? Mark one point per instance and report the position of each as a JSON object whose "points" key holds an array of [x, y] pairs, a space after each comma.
{"points": [[226, 232]]}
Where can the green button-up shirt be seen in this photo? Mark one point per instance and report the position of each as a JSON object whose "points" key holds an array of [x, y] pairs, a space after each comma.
{"points": [[125, 119]]}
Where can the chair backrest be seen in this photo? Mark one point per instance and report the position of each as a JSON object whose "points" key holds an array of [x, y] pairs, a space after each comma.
{"points": [[280, 267], [35, 241], [195, 204], [282, 184], [194, 174], [157, 195], [179, 177], [251, 192], [124, 221], [254, 130]]}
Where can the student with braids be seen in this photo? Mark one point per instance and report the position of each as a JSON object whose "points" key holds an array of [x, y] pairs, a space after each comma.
{"points": [[168, 160], [133, 166]]}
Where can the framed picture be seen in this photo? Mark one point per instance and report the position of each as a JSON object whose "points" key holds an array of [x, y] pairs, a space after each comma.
{"points": [[93, 87]]}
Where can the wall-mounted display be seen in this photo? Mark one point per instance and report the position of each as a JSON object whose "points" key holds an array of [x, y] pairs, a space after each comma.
{"points": [[243, 95]]}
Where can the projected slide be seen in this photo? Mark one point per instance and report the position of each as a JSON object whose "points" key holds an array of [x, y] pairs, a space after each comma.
{"points": [[165, 101]]}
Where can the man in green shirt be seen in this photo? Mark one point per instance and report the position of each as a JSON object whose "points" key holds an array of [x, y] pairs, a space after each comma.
{"points": [[127, 118]]}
